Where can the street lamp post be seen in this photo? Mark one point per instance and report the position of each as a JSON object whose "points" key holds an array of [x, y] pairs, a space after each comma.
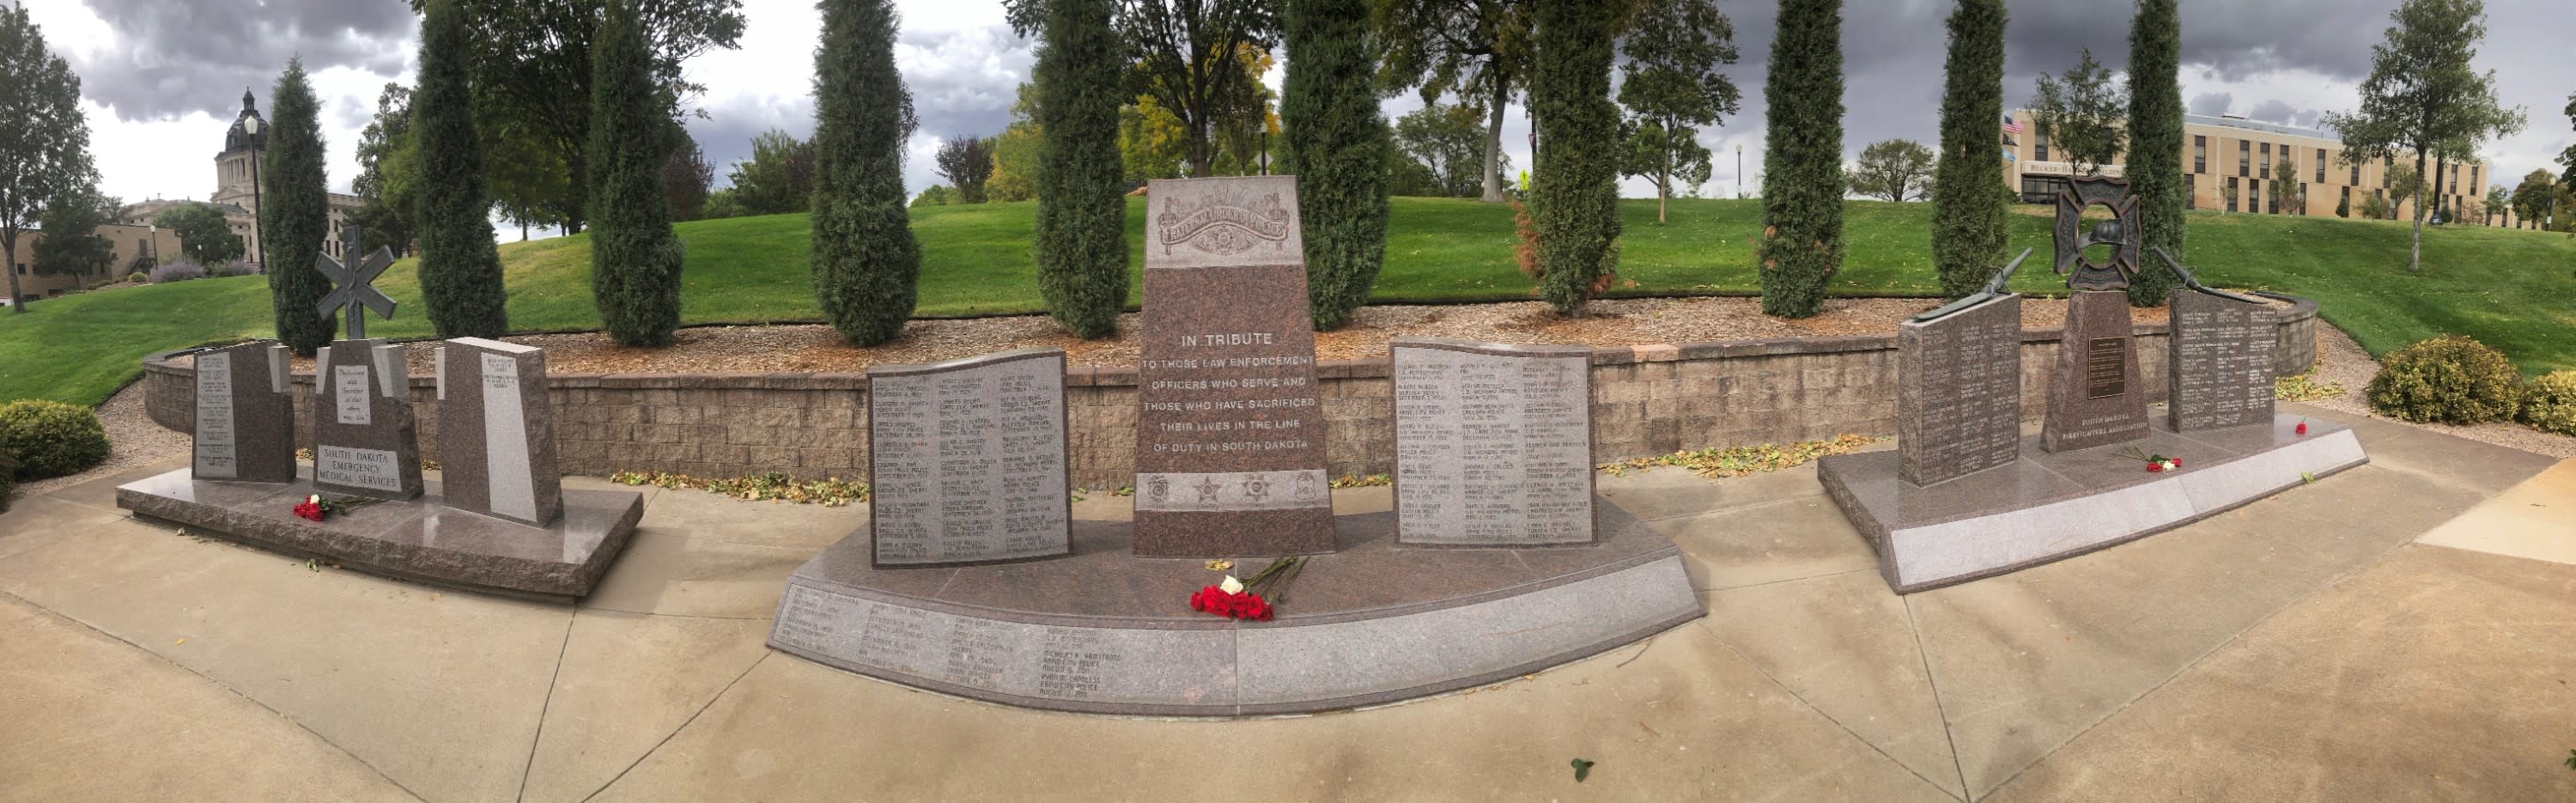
{"points": [[1739, 170], [258, 236]]}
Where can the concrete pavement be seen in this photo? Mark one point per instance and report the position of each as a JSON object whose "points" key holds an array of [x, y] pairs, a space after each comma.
{"points": [[2326, 644]]}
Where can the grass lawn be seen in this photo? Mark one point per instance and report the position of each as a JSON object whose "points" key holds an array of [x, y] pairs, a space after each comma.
{"points": [[2515, 290]]}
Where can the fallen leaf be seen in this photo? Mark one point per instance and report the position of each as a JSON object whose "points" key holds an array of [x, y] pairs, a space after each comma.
{"points": [[1583, 769]]}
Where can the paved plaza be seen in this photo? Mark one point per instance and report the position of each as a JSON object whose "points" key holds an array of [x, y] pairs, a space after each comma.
{"points": [[2403, 631]]}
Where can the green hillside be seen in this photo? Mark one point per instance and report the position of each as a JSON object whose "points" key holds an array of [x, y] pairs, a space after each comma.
{"points": [[2513, 289]]}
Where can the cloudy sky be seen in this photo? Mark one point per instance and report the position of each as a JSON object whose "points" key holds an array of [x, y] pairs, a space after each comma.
{"points": [[163, 78]]}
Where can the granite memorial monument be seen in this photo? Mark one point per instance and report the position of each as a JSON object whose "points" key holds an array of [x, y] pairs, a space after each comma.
{"points": [[245, 428], [2096, 397], [364, 439], [967, 460], [496, 431], [1493, 444], [1958, 398]]}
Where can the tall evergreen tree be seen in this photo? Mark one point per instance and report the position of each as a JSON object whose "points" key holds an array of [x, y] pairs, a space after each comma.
{"points": [[866, 262], [460, 267], [2155, 144], [1574, 196], [634, 257], [1082, 208], [1802, 161], [1337, 147], [1968, 229], [295, 214]]}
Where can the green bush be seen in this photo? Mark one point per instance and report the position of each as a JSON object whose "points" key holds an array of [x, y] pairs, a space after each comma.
{"points": [[2549, 403], [138, 278], [2449, 379], [8, 479], [50, 438]]}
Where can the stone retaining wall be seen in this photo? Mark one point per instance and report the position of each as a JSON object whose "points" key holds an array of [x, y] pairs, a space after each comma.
{"points": [[1646, 400]]}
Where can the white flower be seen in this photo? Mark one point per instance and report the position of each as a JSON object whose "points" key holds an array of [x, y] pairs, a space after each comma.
{"points": [[313, 500], [1231, 585], [2173, 465]]}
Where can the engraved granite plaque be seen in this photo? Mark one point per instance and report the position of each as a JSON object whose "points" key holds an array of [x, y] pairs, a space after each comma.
{"points": [[1229, 430], [1493, 444], [364, 440], [2092, 398], [2221, 362], [245, 422], [967, 460], [1958, 398], [496, 431]]}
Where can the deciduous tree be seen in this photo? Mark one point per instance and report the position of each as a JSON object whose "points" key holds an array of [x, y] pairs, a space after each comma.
{"points": [[1894, 170], [1015, 151], [204, 236], [1671, 88], [389, 171], [295, 213], [1477, 49], [1337, 147], [778, 179], [72, 245], [635, 259], [2080, 112], [44, 149], [1447, 142], [460, 267], [866, 262], [966, 162], [2422, 94], [1967, 207], [1802, 186], [686, 177]]}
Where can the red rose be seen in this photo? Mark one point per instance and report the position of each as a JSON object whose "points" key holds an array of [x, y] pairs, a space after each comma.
{"points": [[308, 510]]}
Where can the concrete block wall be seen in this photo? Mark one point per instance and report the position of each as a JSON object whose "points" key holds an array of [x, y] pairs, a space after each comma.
{"points": [[1646, 400]]}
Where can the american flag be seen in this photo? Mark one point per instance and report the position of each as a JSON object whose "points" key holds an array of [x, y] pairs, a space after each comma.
{"points": [[2011, 127]]}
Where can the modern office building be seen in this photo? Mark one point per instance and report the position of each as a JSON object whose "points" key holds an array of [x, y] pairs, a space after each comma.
{"points": [[2231, 163]]}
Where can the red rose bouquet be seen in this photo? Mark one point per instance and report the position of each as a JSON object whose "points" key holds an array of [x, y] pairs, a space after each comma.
{"points": [[316, 508], [1238, 599]]}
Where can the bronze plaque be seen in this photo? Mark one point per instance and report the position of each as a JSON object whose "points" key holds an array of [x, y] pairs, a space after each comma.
{"points": [[2104, 364]]}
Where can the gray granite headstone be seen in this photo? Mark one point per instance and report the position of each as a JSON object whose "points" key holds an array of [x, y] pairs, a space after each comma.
{"points": [[1958, 397], [2095, 397], [496, 431], [967, 460], [245, 420], [1493, 443], [364, 440], [1229, 430], [2221, 367]]}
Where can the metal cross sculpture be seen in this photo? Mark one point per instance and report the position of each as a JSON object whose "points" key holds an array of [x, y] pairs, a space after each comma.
{"points": [[353, 284], [2121, 232]]}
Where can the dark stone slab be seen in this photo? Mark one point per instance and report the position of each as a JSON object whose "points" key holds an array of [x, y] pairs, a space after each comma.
{"points": [[1229, 429], [1958, 393], [496, 430], [364, 440], [2053, 505], [2095, 397], [967, 460], [2221, 362], [421, 539], [1493, 443], [1102, 631], [245, 421]]}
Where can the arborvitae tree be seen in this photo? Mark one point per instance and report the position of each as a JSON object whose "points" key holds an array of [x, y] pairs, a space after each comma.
{"points": [[460, 268], [634, 257], [2155, 145], [1968, 229], [1574, 195], [866, 262], [295, 214], [1337, 147], [1802, 164], [1082, 208]]}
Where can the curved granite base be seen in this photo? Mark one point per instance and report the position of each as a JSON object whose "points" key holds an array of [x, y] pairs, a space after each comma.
{"points": [[1102, 631], [2049, 506], [422, 539]]}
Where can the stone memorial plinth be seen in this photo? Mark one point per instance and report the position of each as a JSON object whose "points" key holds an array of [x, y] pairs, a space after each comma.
{"points": [[364, 439], [1229, 429], [2221, 367], [1099, 631], [245, 420], [496, 431], [1958, 397], [967, 460], [1493, 444], [2095, 396]]}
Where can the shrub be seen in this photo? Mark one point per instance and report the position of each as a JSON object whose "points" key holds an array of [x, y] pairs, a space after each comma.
{"points": [[2549, 403], [50, 438], [138, 278], [177, 270], [8, 479], [2450, 379], [635, 259], [237, 268]]}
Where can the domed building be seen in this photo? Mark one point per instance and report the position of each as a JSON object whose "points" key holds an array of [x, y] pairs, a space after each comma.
{"points": [[237, 186]]}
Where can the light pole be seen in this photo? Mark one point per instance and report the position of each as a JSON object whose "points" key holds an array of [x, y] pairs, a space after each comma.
{"points": [[258, 237], [1739, 171]]}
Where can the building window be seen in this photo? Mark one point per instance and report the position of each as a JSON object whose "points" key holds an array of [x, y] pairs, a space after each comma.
{"points": [[2041, 189], [2265, 169], [2190, 191], [2199, 154], [2254, 195], [2039, 145], [2231, 193], [2356, 174], [2473, 175], [2321, 165], [2244, 158]]}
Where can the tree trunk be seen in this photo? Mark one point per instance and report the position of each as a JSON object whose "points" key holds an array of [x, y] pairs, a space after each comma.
{"points": [[9, 246], [1664, 185], [2415, 252], [1494, 142]]}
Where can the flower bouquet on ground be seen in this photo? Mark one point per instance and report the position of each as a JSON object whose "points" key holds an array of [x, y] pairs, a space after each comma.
{"points": [[2156, 463], [316, 508], [1249, 599]]}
